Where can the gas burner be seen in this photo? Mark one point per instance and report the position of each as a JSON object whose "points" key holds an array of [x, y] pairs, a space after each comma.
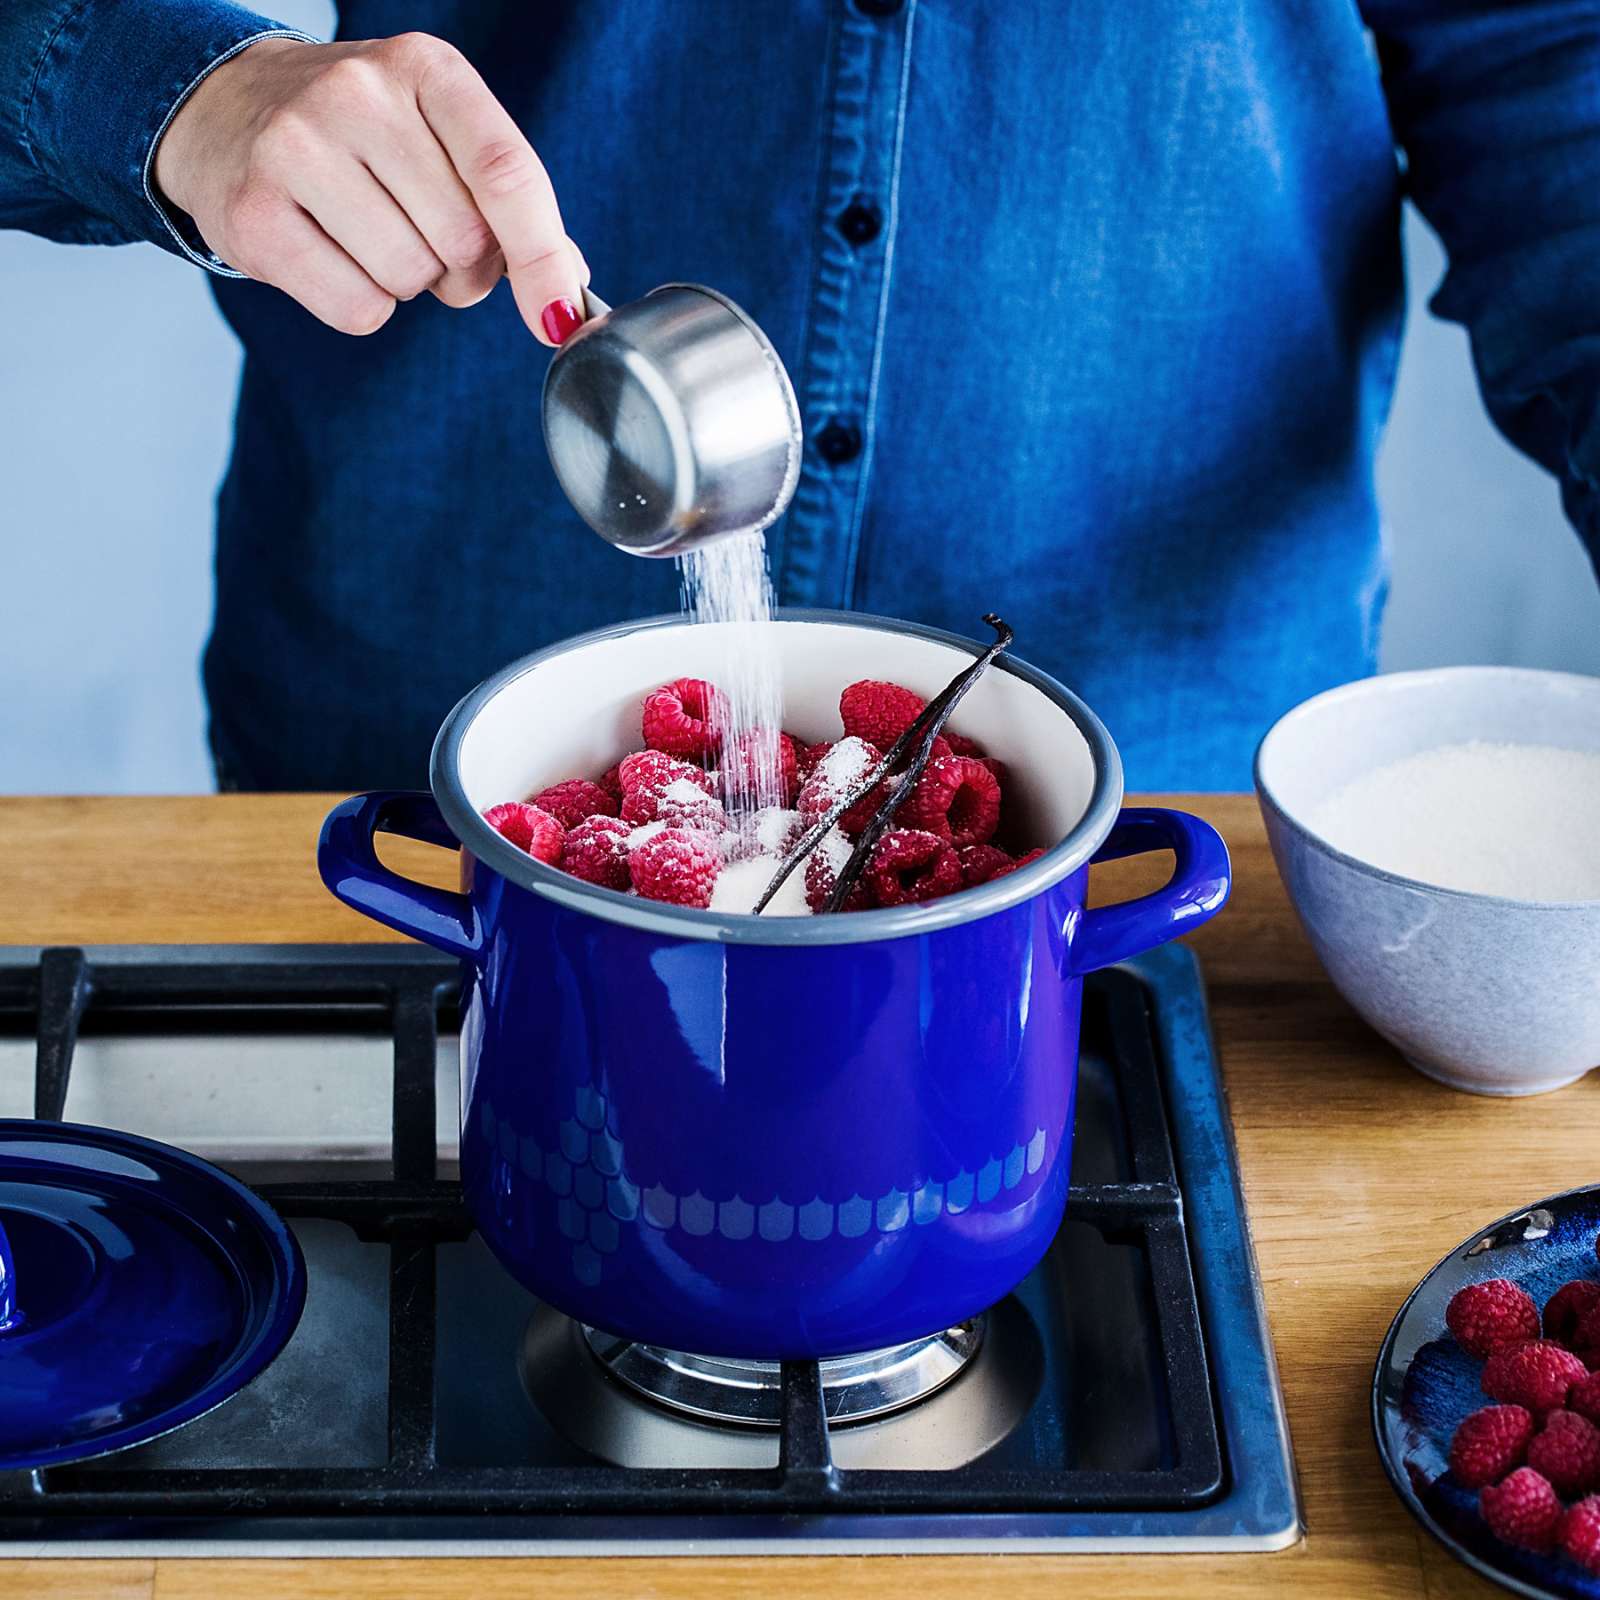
{"points": [[750, 1393], [941, 1401]]}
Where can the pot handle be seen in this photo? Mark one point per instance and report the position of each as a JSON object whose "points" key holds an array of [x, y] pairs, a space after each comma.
{"points": [[350, 867], [1196, 892]]}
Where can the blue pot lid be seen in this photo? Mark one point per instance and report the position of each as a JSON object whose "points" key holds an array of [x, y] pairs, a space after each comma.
{"points": [[139, 1287]]}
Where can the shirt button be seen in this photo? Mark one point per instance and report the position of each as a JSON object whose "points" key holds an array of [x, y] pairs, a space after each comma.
{"points": [[839, 442], [878, 8], [860, 222]]}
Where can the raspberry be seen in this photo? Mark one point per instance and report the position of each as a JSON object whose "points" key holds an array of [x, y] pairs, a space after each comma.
{"points": [[1021, 861], [961, 745], [597, 852], [1580, 1533], [681, 718], [878, 712], [646, 776], [834, 776], [1567, 1307], [686, 805], [981, 862], [1488, 1444], [1584, 1340], [570, 802], [1567, 1451], [956, 798], [677, 865], [808, 755], [1584, 1397], [528, 828], [1491, 1316], [1536, 1375], [1522, 1511], [909, 866], [998, 769], [770, 832], [610, 780], [823, 867], [745, 756]]}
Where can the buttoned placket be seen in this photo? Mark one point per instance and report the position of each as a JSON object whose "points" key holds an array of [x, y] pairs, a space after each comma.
{"points": [[817, 546]]}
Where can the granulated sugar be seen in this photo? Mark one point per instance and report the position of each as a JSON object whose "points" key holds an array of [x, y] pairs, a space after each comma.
{"points": [[1520, 821], [726, 581], [741, 883]]}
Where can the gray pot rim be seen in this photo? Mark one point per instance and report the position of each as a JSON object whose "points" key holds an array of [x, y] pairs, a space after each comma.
{"points": [[857, 927], [1270, 803]]}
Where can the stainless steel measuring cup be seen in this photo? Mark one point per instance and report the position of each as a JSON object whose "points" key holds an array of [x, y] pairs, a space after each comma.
{"points": [[670, 421]]}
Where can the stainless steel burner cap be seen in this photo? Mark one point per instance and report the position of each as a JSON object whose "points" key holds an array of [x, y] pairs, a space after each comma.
{"points": [[749, 1393]]}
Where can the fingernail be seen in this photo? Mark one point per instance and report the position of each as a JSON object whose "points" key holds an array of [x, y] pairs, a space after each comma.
{"points": [[559, 318]]}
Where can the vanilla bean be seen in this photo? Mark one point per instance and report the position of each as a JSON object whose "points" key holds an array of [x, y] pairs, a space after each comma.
{"points": [[851, 872], [922, 732]]}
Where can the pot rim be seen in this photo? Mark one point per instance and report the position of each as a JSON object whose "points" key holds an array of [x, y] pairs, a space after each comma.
{"points": [[858, 927]]}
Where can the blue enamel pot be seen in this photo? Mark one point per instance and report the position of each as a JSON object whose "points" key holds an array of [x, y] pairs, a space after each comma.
{"points": [[753, 1136]]}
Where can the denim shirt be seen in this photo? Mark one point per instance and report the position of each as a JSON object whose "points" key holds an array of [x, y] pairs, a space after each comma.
{"points": [[1092, 310]]}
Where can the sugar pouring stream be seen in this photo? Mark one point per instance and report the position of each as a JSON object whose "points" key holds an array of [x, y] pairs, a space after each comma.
{"points": [[674, 431]]}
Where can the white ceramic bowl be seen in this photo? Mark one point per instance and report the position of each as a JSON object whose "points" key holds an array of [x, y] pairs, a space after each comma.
{"points": [[1493, 995]]}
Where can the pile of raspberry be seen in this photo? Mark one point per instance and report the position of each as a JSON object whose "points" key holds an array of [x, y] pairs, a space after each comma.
{"points": [[1534, 1456], [659, 824]]}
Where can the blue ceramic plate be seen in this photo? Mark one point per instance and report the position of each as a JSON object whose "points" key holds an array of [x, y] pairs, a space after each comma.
{"points": [[149, 1287], [1425, 1383]]}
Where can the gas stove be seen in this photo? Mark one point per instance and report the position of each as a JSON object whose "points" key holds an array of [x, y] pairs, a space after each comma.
{"points": [[1124, 1397]]}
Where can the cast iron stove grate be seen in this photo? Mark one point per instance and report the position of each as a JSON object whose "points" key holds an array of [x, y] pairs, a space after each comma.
{"points": [[418, 1489]]}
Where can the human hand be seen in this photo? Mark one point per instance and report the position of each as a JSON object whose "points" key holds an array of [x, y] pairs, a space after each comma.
{"points": [[354, 175]]}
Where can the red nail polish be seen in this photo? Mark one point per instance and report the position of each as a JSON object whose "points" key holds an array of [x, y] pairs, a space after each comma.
{"points": [[560, 317]]}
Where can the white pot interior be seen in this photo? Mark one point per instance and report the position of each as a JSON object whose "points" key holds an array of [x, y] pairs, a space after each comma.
{"points": [[576, 712]]}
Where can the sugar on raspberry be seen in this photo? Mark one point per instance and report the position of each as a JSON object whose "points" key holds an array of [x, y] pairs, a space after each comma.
{"points": [[1536, 1375], [1489, 1443], [909, 866], [1522, 1510], [677, 865], [823, 867], [746, 757], [570, 802], [684, 718], [528, 828], [1567, 1451], [647, 775], [597, 851], [833, 779], [1490, 1316]]}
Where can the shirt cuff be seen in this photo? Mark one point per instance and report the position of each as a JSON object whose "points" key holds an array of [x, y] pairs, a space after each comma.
{"points": [[113, 75]]}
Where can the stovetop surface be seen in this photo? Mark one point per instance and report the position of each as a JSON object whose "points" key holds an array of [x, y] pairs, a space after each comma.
{"points": [[1124, 1396]]}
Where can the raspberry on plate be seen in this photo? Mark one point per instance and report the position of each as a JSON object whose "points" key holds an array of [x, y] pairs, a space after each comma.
{"points": [[1491, 1316], [1523, 1510], [1536, 1375], [1567, 1451], [683, 718], [878, 712], [957, 798], [1580, 1533], [1584, 1397], [647, 775], [1489, 1443], [528, 828], [570, 802], [597, 851], [677, 865], [909, 866], [1567, 1307]]}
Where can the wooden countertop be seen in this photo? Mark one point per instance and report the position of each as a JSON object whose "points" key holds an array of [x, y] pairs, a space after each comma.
{"points": [[1359, 1174]]}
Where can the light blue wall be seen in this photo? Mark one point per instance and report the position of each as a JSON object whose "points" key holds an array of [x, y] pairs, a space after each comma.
{"points": [[116, 383]]}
